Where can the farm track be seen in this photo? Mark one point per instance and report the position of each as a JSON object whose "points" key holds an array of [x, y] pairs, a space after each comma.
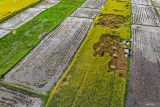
{"points": [[43, 66], [16, 21], [144, 84]]}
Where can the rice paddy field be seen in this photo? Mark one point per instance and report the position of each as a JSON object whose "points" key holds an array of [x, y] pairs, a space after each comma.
{"points": [[79, 53], [71, 55], [97, 75], [9, 7]]}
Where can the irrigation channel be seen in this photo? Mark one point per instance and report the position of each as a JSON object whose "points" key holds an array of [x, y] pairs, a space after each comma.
{"points": [[16, 21], [43, 66], [144, 84]]}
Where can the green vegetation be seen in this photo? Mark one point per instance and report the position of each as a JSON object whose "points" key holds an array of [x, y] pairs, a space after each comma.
{"points": [[16, 45], [88, 82]]}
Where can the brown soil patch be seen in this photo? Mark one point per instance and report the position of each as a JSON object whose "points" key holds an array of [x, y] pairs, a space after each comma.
{"points": [[112, 20], [112, 45]]}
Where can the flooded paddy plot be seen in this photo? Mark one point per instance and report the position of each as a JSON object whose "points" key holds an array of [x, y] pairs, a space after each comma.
{"points": [[21, 18], [97, 4], [43, 66], [85, 12], [14, 98], [144, 15], [145, 75], [3, 32], [142, 2], [47, 4]]}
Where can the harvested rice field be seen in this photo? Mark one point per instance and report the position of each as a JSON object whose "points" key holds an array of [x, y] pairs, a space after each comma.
{"points": [[20, 18], [11, 98], [143, 87], [43, 66], [46, 62], [97, 75], [24, 16], [80, 53], [144, 84], [85, 13], [8, 7], [3, 32], [141, 18], [20, 41], [35, 31], [94, 4], [141, 2]]}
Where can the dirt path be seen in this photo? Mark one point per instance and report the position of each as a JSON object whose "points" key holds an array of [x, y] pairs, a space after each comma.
{"points": [[16, 21], [44, 65], [144, 85]]}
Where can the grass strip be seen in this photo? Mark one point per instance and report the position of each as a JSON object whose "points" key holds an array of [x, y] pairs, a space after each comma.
{"points": [[87, 82], [17, 44]]}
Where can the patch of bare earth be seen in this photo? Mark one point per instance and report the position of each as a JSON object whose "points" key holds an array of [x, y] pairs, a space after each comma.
{"points": [[112, 20], [112, 45]]}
